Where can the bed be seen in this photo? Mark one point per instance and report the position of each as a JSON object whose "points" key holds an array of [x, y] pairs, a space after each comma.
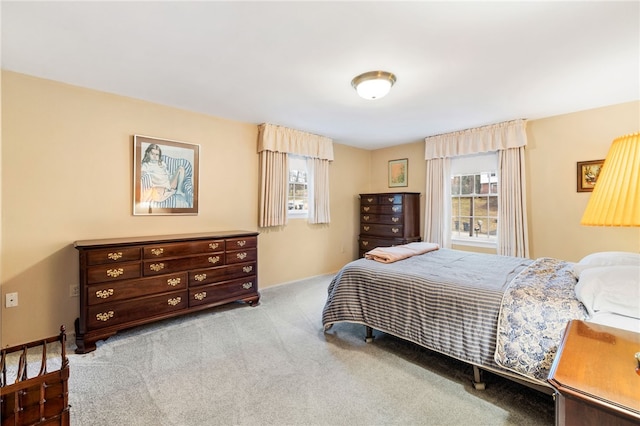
{"points": [[497, 313], [34, 383]]}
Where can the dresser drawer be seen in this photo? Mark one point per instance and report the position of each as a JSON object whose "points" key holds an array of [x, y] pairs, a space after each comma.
{"points": [[382, 218], [381, 209], [368, 199], [119, 254], [115, 272], [128, 289], [223, 273], [382, 230], [249, 255], [390, 199], [157, 251], [166, 266], [369, 243], [241, 243], [110, 314], [207, 294]]}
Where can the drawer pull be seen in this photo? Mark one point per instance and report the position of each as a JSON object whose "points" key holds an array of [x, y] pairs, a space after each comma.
{"points": [[113, 273], [157, 251], [200, 296], [247, 269], [104, 316], [366, 228], [241, 255], [365, 218], [200, 277], [365, 243], [395, 209], [395, 230], [395, 219], [366, 209], [241, 243], [390, 199], [156, 267], [174, 301], [104, 294], [247, 286], [214, 259], [369, 200], [115, 256], [213, 246], [173, 281]]}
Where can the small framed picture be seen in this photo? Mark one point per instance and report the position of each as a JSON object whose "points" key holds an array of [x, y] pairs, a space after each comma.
{"points": [[165, 177], [398, 173], [588, 172]]}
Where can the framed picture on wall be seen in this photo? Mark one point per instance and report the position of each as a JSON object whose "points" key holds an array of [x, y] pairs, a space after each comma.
{"points": [[165, 176], [588, 172], [398, 173]]}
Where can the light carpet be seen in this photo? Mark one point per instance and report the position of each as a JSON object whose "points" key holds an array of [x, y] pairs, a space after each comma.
{"points": [[273, 365]]}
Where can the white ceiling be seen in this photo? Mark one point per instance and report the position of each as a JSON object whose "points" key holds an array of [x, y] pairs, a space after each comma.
{"points": [[458, 64]]}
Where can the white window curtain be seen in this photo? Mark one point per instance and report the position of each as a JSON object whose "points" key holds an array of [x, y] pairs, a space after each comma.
{"points": [[277, 139], [509, 140]]}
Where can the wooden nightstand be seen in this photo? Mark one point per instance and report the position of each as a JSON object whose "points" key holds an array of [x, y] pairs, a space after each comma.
{"points": [[594, 375]]}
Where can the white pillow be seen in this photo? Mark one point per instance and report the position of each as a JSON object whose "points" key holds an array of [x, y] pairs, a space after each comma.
{"points": [[614, 289], [605, 258]]}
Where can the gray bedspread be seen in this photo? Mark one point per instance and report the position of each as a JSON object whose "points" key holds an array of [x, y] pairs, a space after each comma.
{"points": [[445, 300]]}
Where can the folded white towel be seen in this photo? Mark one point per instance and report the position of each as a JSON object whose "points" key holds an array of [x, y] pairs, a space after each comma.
{"points": [[395, 253]]}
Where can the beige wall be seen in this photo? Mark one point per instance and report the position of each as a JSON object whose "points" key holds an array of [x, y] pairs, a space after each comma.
{"points": [[555, 208], [66, 164], [67, 172]]}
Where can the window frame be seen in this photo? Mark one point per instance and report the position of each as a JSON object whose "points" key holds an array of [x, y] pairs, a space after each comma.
{"points": [[486, 165]]}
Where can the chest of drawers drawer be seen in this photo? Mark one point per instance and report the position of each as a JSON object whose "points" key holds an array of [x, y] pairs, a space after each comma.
{"points": [[166, 266], [113, 255], [388, 219], [206, 276], [221, 291], [381, 230], [111, 314], [115, 272], [381, 209], [158, 251], [127, 289], [248, 255]]}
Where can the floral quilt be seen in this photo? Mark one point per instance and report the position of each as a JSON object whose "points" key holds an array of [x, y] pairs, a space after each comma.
{"points": [[536, 308]]}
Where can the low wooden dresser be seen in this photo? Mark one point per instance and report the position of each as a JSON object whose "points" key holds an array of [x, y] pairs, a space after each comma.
{"points": [[388, 219], [126, 282], [595, 376]]}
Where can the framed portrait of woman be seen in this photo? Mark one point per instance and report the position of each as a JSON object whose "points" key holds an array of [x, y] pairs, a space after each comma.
{"points": [[165, 176]]}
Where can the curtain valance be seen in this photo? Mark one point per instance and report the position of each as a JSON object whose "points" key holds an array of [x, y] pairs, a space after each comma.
{"points": [[281, 139], [496, 137]]}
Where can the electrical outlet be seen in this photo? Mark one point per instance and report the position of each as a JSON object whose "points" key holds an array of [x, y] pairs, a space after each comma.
{"points": [[74, 290], [11, 300]]}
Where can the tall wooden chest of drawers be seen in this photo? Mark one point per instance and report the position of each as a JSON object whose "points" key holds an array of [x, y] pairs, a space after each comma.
{"points": [[388, 219], [126, 282]]}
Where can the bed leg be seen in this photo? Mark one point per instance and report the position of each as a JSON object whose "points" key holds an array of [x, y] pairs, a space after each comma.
{"points": [[369, 334], [478, 384]]}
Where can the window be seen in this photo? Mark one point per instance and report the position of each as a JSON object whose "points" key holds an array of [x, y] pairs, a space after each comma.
{"points": [[298, 194], [474, 200]]}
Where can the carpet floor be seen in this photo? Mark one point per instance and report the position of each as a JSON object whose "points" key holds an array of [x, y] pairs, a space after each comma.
{"points": [[274, 365]]}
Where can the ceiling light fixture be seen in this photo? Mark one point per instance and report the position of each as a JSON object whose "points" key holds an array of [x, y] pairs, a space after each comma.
{"points": [[373, 84]]}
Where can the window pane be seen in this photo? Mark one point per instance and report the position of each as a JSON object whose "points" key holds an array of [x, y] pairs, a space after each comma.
{"points": [[493, 206], [465, 206], [455, 185], [480, 206], [466, 185], [455, 206]]}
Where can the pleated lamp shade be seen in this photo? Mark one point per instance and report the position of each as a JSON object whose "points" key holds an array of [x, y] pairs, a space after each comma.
{"points": [[615, 200]]}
